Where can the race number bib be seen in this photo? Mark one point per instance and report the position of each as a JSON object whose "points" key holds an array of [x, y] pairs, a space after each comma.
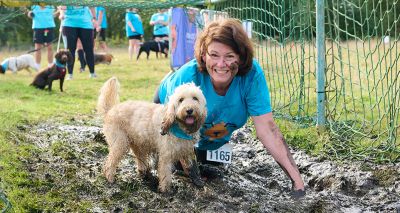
{"points": [[222, 155]]}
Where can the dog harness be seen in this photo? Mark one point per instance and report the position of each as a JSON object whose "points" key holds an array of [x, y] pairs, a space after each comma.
{"points": [[61, 68]]}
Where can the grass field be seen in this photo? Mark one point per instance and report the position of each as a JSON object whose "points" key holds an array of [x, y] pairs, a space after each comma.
{"points": [[22, 104]]}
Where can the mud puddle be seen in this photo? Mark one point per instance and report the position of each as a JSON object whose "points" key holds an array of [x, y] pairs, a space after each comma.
{"points": [[68, 160]]}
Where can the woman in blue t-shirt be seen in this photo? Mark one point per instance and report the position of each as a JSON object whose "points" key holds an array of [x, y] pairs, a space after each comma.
{"points": [[134, 31], [235, 88], [79, 23], [43, 31]]}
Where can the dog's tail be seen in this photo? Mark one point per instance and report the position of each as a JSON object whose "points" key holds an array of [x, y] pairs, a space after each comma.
{"points": [[108, 96]]}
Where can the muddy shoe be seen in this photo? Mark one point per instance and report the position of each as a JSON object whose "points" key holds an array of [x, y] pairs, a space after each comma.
{"points": [[297, 194], [194, 174], [210, 172]]}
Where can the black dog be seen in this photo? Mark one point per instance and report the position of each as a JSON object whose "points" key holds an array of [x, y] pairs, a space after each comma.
{"points": [[156, 46], [55, 72]]}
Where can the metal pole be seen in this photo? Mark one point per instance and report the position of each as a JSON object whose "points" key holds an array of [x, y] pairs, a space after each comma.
{"points": [[320, 72]]}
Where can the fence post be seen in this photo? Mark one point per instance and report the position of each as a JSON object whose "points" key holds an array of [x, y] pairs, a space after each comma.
{"points": [[320, 72]]}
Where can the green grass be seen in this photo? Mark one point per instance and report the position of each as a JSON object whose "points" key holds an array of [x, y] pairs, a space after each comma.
{"points": [[22, 104]]}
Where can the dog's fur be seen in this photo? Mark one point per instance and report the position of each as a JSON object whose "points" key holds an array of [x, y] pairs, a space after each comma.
{"points": [[143, 127], [103, 58], [161, 47], [55, 72], [18, 63]]}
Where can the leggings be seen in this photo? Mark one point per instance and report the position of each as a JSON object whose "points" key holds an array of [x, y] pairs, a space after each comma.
{"points": [[86, 37]]}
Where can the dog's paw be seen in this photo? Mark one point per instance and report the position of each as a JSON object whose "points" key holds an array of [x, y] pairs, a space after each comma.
{"points": [[109, 175]]}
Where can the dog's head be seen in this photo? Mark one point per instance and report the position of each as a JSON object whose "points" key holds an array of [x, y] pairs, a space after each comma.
{"points": [[63, 56], [108, 58], [187, 108], [165, 46], [103, 58]]}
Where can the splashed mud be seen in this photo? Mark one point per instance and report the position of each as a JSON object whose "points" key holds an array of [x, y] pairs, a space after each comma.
{"points": [[69, 158]]}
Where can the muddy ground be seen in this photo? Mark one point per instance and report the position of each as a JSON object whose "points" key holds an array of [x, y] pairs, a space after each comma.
{"points": [[68, 160]]}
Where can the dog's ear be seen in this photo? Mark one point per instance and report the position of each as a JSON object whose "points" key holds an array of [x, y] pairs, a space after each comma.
{"points": [[168, 118], [57, 56]]}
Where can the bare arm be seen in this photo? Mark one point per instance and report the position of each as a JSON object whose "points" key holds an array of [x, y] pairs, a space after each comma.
{"points": [[99, 21], [93, 11], [272, 139], [131, 26]]}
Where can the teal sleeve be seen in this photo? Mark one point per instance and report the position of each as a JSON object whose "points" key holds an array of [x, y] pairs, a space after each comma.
{"points": [[258, 97]]}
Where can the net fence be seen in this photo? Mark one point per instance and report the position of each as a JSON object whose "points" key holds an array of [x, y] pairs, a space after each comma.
{"points": [[362, 85]]}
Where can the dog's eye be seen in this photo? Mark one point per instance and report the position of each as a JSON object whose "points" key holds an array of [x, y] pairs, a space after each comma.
{"points": [[180, 100], [195, 98]]}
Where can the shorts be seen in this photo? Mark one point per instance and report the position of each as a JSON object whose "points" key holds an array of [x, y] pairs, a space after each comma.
{"points": [[138, 37], [41, 36], [160, 36], [102, 34]]}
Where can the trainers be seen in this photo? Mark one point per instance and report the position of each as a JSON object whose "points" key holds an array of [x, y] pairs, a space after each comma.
{"points": [[69, 77], [81, 69], [92, 75], [210, 172]]}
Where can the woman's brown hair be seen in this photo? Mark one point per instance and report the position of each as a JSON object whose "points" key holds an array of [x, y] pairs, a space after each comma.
{"points": [[231, 33]]}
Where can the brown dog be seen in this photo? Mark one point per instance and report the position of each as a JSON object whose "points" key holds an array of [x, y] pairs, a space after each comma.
{"points": [[103, 58], [55, 72], [143, 127]]}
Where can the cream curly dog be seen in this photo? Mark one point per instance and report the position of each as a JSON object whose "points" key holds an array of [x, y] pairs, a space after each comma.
{"points": [[143, 127]]}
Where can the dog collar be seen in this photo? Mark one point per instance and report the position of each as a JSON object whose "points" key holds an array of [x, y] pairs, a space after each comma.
{"points": [[58, 64], [178, 132]]}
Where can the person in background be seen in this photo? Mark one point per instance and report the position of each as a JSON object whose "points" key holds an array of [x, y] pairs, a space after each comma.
{"points": [[134, 31], [79, 22], [160, 22], [101, 28], [81, 55], [235, 88], [43, 31]]}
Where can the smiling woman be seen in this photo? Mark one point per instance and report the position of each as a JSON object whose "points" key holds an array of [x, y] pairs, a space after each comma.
{"points": [[235, 88]]}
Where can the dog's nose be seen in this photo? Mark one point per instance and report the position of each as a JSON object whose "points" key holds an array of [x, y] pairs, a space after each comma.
{"points": [[189, 111]]}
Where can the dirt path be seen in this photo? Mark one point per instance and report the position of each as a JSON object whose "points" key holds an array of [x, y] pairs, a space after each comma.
{"points": [[68, 161]]}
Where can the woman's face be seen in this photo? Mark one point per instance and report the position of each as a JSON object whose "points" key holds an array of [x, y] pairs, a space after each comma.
{"points": [[221, 62]]}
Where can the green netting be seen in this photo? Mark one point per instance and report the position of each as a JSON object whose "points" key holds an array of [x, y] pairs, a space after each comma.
{"points": [[362, 71], [140, 4]]}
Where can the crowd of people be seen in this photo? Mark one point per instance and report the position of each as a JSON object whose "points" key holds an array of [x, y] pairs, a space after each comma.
{"points": [[224, 68], [82, 26]]}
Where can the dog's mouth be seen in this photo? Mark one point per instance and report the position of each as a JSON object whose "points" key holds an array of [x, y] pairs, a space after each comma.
{"points": [[64, 59], [189, 124], [189, 120]]}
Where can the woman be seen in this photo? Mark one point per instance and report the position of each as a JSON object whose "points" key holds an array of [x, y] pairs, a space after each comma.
{"points": [[235, 88], [78, 23], [43, 31], [134, 31]]}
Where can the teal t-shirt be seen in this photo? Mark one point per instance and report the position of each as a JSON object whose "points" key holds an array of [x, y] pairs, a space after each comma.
{"points": [[78, 16], [160, 29], [103, 23], [43, 17], [136, 21], [247, 95]]}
